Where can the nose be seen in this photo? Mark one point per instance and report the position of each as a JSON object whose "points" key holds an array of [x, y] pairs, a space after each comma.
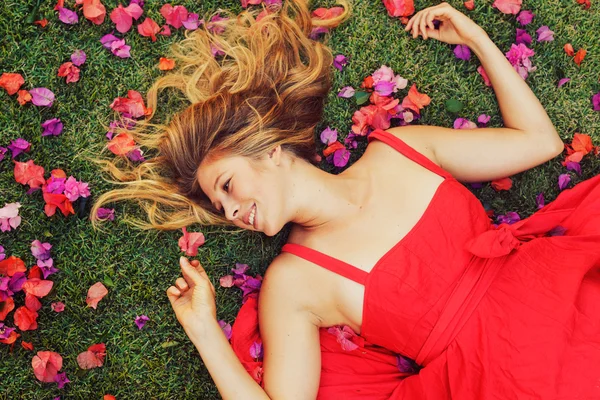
{"points": [[231, 210]]}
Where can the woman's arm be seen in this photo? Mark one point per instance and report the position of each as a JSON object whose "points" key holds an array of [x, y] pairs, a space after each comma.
{"points": [[528, 137]]}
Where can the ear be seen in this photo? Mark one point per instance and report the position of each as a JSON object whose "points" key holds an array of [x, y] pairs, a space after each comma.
{"points": [[275, 155]]}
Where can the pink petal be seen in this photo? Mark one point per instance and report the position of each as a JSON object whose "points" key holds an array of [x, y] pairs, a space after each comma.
{"points": [[42, 97]]}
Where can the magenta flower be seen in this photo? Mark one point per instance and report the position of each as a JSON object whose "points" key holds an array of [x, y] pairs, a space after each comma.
{"points": [[386, 74], [596, 101], [483, 119], [47, 267], [563, 81], [463, 123], [42, 97], [141, 320], [346, 92], [191, 23], [120, 49], [510, 218], [67, 16], [3, 151], [256, 351], [61, 379], [75, 189], [9, 217], [523, 37], [19, 146], [384, 88], [106, 214], [16, 282], [329, 136], [107, 40], [563, 181], [52, 127], [544, 34], [40, 251], [574, 166], [525, 17], [340, 61], [226, 329], [539, 199], [2, 255], [350, 140], [462, 52], [518, 56], [78, 57], [5, 331], [136, 155], [341, 157], [344, 337]]}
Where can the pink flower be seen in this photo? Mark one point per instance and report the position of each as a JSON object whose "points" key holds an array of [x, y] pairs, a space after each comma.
{"points": [[52, 127], [518, 56], [596, 101], [39, 250], [75, 189], [563, 181], [539, 199], [61, 379], [226, 329], [346, 92], [57, 306], [483, 119], [190, 242], [19, 146], [341, 157], [329, 136], [78, 58], [344, 337], [340, 61], [463, 123], [106, 214], [141, 320], [9, 217], [523, 37], [544, 34], [462, 52], [563, 81], [525, 17]]}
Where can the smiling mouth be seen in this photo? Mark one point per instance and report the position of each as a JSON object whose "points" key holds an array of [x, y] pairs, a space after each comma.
{"points": [[252, 217]]}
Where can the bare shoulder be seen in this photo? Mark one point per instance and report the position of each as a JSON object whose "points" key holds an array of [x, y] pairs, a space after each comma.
{"points": [[417, 137]]}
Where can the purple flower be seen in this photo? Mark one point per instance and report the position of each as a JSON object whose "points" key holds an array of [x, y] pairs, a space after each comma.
{"points": [[557, 231], [462, 52], [510, 218], [316, 31], [107, 40], [405, 365], [2, 255], [384, 88], [596, 101], [136, 155], [240, 269], [563, 81], [42, 97], [47, 267], [61, 379], [329, 136], [67, 16], [463, 123], [191, 23], [350, 140], [55, 185], [106, 213], [346, 92], [15, 285], [256, 350], [340, 61], [523, 37], [141, 320], [518, 56], [574, 166], [525, 17], [483, 119], [78, 57], [341, 157], [75, 189], [3, 151], [40, 251], [52, 127], [226, 329], [138, 2], [120, 49], [563, 181], [5, 331], [539, 199], [19, 146], [544, 34]]}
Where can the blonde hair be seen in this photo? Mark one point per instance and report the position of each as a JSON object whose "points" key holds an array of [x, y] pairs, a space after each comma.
{"points": [[267, 90]]}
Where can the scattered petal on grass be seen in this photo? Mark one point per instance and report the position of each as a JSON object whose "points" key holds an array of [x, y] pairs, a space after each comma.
{"points": [[93, 357], [469, 5], [23, 97], [563, 181], [502, 184], [96, 293], [120, 49], [123, 16], [42, 97], [190, 242], [121, 144], [192, 23], [523, 37], [70, 71], [486, 79], [508, 6], [107, 40], [539, 199], [94, 11], [569, 49], [106, 214], [341, 157], [9, 217], [29, 174], [148, 28], [141, 320], [61, 379], [596, 101], [25, 319], [174, 15], [525, 17], [41, 22], [46, 365], [462, 52], [340, 61], [52, 127], [57, 306], [563, 81], [399, 8], [19, 146], [27, 345], [329, 136], [166, 64], [346, 92], [544, 34], [38, 287], [579, 56], [11, 266], [226, 329], [67, 16], [483, 119], [40, 251], [78, 57], [11, 82]]}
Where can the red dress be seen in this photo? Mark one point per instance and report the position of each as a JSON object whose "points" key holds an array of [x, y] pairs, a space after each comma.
{"points": [[511, 312]]}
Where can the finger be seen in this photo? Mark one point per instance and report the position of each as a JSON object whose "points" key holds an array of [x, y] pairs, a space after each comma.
{"points": [[422, 25], [190, 273], [409, 24], [415, 28], [181, 284], [173, 294], [430, 18]]}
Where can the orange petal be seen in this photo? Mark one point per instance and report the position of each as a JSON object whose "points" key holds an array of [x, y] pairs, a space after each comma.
{"points": [[502, 184], [166, 64], [579, 56], [569, 49]]}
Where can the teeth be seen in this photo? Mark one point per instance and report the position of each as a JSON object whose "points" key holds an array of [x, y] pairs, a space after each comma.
{"points": [[251, 219]]}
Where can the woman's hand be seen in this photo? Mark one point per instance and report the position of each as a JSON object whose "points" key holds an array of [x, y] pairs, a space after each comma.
{"points": [[455, 27], [193, 297]]}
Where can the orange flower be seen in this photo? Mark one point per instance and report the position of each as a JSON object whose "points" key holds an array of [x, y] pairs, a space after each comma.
{"points": [[166, 64], [579, 56], [569, 49]]}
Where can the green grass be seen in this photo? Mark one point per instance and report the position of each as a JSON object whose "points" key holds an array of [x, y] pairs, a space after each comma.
{"points": [[137, 267]]}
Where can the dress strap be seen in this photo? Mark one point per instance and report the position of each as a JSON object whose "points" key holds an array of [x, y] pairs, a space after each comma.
{"points": [[398, 144], [333, 264]]}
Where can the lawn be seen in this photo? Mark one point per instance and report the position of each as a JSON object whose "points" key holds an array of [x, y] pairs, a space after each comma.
{"points": [[137, 267]]}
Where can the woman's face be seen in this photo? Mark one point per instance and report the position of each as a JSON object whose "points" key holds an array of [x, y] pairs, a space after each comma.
{"points": [[248, 192]]}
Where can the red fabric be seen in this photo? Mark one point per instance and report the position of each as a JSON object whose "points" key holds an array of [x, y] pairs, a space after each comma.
{"points": [[489, 313]]}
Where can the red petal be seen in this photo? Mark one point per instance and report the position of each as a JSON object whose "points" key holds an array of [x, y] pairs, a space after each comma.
{"points": [[148, 28], [27, 345], [502, 184], [11, 266], [121, 18], [121, 144], [29, 174], [11, 82], [6, 306], [26, 319], [32, 302], [37, 287], [46, 365], [94, 11], [95, 294]]}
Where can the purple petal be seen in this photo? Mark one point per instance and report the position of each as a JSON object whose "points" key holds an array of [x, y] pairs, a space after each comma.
{"points": [[120, 49], [384, 88], [525, 17], [191, 23], [52, 127], [539, 199], [19, 146], [544, 34], [226, 329], [47, 267], [42, 97], [563, 181], [405, 365], [138, 2], [141, 320], [483, 119], [67, 16], [2, 255], [463, 52], [346, 92], [256, 350], [16, 282], [240, 268], [340, 61], [596, 101], [136, 155], [574, 166], [61, 379], [3, 151], [40, 251], [463, 123], [329, 136], [563, 81], [106, 213], [557, 231], [523, 37], [5, 331], [78, 57], [341, 157], [107, 40]]}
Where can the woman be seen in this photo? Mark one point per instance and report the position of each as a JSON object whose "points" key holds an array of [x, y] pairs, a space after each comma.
{"points": [[488, 313]]}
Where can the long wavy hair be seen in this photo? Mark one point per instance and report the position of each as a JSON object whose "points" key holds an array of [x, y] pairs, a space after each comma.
{"points": [[268, 89]]}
